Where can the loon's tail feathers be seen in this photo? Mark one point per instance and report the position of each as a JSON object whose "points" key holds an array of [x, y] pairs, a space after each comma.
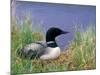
{"points": [[19, 53]]}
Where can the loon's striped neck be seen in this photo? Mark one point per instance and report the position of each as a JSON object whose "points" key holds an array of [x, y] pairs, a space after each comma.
{"points": [[52, 44]]}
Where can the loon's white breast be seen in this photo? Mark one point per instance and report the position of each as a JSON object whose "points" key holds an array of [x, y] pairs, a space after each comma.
{"points": [[50, 53]]}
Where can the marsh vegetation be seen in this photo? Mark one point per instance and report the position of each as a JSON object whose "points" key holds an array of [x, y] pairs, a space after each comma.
{"points": [[80, 55]]}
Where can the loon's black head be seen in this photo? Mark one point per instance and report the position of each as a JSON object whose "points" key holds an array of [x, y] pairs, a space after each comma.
{"points": [[52, 33]]}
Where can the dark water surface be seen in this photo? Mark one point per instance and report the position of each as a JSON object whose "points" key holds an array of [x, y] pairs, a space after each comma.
{"points": [[64, 16]]}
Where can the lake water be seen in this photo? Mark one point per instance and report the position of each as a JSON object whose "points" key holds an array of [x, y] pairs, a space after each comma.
{"points": [[64, 16]]}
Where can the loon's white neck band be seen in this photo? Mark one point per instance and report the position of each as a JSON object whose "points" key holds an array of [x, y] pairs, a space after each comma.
{"points": [[49, 42]]}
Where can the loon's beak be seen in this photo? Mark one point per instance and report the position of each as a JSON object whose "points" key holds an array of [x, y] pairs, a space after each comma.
{"points": [[64, 32]]}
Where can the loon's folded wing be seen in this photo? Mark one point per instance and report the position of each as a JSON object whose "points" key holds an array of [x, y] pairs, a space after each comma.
{"points": [[34, 49]]}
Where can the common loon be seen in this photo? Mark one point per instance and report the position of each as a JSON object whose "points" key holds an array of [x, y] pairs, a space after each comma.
{"points": [[45, 50]]}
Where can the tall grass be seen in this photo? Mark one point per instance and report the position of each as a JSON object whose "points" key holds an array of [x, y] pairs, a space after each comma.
{"points": [[83, 49], [20, 36]]}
